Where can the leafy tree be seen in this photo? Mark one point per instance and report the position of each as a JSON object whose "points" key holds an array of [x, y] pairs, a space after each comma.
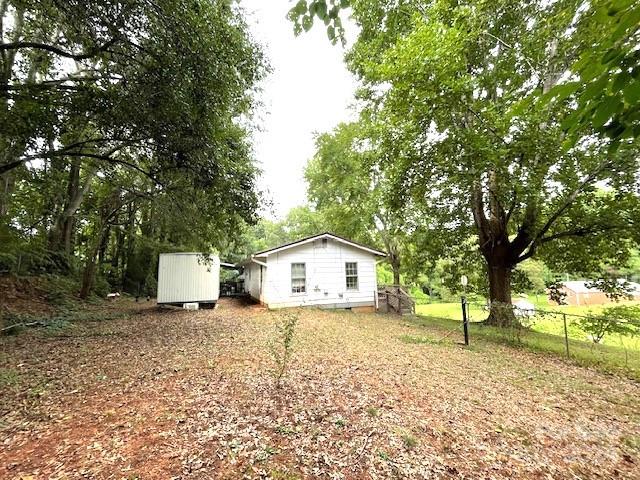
{"points": [[606, 75], [444, 81], [304, 13], [125, 130], [349, 190], [620, 319]]}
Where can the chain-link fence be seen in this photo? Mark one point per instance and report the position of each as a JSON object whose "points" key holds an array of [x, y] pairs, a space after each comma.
{"points": [[610, 339]]}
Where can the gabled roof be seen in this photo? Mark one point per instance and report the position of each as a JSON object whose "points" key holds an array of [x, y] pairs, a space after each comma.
{"points": [[580, 286], [327, 235]]}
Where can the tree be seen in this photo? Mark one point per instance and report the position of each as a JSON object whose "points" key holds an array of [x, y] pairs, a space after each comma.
{"points": [[125, 129], [620, 319], [444, 81], [349, 190], [606, 74]]}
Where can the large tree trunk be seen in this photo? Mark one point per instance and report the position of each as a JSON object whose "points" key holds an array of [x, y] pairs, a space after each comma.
{"points": [[89, 273], [500, 254], [394, 258], [7, 182], [9, 151], [60, 236], [501, 309]]}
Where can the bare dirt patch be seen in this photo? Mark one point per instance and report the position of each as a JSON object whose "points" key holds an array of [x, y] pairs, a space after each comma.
{"points": [[180, 394]]}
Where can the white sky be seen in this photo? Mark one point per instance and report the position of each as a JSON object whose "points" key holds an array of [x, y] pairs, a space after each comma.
{"points": [[309, 90]]}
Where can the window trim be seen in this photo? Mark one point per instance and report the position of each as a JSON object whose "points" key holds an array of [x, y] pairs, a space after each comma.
{"points": [[304, 266], [347, 276]]}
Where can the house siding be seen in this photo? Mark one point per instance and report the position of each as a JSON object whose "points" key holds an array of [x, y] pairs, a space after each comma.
{"points": [[252, 281], [325, 276]]}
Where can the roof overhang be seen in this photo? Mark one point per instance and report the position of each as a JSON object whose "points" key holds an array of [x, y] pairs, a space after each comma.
{"points": [[327, 235]]}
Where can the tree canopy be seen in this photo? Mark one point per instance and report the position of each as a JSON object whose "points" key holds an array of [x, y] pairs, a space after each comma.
{"points": [[459, 97], [125, 129]]}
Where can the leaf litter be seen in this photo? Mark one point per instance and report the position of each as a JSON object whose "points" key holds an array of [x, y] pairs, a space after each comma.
{"points": [[183, 394]]}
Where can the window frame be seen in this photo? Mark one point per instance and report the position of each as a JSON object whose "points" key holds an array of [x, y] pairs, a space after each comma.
{"points": [[304, 277], [352, 275]]}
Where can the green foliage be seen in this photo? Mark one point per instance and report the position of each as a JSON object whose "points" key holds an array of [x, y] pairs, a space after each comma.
{"points": [[125, 133], [409, 441], [618, 319], [606, 83], [305, 12], [351, 192], [486, 176], [8, 377], [281, 348]]}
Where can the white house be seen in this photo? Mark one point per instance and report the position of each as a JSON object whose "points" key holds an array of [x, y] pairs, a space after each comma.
{"points": [[323, 270]]}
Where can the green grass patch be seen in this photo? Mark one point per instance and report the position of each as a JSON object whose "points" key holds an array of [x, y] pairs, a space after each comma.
{"points": [[8, 377], [56, 324], [551, 323], [610, 358], [411, 339], [409, 441]]}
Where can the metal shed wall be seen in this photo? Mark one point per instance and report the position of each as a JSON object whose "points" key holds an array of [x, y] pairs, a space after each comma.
{"points": [[188, 277]]}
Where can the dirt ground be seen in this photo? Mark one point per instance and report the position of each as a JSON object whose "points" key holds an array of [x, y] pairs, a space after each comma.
{"points": [[190, 395]]}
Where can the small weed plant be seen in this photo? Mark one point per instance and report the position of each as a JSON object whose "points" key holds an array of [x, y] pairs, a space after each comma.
{"points": [[281, 348]]}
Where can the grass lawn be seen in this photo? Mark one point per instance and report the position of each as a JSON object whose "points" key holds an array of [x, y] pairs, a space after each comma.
{"points": [[190, 395], [621, 347]]}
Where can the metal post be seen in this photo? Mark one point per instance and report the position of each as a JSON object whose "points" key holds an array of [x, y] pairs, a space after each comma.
{"points": [[465, 321], [566, 335]]}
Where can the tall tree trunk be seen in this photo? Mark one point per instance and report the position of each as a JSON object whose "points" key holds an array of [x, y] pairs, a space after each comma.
{"points": [[501, 310], [7, 182], [62, 231], [89, 273], [394, 259], [499, 253], [104, 223], [9, 151]]}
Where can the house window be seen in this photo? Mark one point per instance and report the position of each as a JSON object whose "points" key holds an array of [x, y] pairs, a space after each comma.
{"points": [[351, 269], [298, 278]]}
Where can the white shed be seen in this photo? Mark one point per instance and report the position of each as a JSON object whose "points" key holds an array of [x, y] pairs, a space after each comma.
{"points": [[324, 270], [188, 278]]}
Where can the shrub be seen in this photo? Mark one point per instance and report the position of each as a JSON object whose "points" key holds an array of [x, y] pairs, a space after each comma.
{"points": [[409, 441], [281, 348], [101, 286], [620, 319]]}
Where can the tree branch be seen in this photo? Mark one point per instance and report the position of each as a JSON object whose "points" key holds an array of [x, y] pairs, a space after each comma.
{"points": [[537, 240], [57, 50]]}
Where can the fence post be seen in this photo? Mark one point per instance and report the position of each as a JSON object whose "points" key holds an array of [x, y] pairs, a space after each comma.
{"points": [[465, 321], [566, 335]]}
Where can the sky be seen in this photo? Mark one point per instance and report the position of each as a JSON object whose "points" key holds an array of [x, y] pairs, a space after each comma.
{"points": [[308, 91]]}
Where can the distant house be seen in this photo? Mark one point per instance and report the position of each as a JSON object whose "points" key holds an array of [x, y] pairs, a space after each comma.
{"points": [[324, 270], [578, 293]]}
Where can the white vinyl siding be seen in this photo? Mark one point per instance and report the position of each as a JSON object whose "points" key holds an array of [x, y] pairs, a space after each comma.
{"points": [[351, 271], [255, 279], [324, 274], [298, 278]]}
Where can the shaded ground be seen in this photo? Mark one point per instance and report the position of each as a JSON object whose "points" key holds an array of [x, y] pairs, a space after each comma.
{"points": [[180, 394]]}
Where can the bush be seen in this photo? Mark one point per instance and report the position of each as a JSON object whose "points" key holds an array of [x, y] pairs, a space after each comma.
{"points": [[281, 348], [620, 319], [101, 286], [61, 290]]}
